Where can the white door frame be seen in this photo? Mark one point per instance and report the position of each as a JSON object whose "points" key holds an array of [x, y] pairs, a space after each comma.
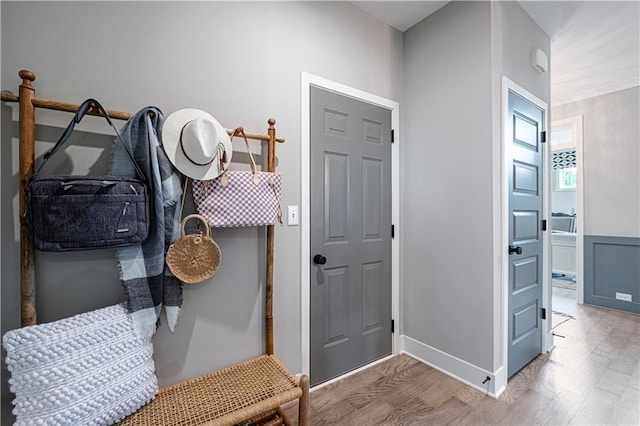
{"points": [[576, 123], [306, 81], [501, 310]]}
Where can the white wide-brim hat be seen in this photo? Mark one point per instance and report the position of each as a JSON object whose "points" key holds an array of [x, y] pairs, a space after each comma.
{"points": [[197, 145]]}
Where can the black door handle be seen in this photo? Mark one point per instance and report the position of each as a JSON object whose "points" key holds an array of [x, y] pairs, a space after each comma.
{"points": [[515, 249], [319, 259]]}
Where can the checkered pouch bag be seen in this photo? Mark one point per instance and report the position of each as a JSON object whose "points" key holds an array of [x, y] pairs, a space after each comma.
{"points": [[240, 198]]}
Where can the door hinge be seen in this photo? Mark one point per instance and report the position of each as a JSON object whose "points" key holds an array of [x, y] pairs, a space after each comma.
{"points": [[543, 313], [393, 326], [393, 231], [393, 136], [543, 137], [543, 225]]}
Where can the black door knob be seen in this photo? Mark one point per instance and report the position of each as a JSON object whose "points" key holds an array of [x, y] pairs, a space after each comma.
{"points": [[319, 259], [515, 249]]}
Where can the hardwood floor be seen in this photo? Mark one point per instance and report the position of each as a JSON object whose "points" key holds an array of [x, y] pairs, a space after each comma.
{"points": [[592, 377]]}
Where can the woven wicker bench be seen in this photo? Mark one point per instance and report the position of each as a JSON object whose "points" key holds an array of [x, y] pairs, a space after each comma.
{"points": [[226, 397]]}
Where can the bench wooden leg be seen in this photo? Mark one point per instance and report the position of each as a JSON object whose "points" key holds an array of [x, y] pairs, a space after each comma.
{"points": [[303, 403]]}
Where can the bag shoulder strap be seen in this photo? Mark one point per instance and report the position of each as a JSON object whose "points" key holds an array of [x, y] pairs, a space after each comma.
{"points": [[80, 113], [240, 131], [254, 169]]}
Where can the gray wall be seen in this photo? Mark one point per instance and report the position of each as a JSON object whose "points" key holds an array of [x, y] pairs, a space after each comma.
{"points": [[611, 165], [514, 36], [447, 183], [239, 61], [451, 209], [612, 267]]}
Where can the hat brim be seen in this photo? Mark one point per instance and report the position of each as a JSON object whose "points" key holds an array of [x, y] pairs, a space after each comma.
{"points": [[171, 131]]}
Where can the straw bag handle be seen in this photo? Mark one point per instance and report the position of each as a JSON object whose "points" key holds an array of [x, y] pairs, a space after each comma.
{"points": [[254, 169], [198, 217]]}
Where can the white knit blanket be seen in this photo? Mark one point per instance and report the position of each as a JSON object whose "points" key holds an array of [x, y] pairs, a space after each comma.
{"points": [[89, 369]]}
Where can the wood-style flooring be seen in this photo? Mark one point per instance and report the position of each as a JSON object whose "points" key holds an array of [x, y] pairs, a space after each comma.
{"points": [[592, 377]]}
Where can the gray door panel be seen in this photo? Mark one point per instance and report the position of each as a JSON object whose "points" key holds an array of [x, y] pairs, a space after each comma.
{"points": [[525, 214], [350, 227]]}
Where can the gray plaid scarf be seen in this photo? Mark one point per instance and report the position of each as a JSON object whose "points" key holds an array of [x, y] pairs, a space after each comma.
{"points": [[148, 283]]}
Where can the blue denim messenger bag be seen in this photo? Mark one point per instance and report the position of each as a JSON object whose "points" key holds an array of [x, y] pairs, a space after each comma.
{"points": [[71, 212]]}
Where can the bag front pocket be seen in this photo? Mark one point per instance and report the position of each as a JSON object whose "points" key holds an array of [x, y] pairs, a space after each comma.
{"points": [[85, 214]]}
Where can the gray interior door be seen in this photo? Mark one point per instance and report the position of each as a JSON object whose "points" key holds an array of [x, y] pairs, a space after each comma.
{"points": [[350, 234], [525, 238]]}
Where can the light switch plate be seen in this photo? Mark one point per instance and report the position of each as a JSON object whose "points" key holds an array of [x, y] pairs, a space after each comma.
{"points": [[292, 215]]}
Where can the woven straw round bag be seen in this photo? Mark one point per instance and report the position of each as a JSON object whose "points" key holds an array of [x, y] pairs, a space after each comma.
{"points": [[195, 257]]}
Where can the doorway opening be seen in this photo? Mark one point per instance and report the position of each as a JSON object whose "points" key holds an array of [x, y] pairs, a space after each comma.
{"points": [[566, 218]]}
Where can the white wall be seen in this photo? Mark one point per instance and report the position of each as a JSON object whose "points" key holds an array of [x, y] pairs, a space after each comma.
{"points": [[239, 61], [611, 138], [563, 202]]}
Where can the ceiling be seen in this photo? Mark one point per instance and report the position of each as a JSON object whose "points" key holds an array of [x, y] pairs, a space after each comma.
{"points": [[596, 51], [401, 15], [595, 45]]}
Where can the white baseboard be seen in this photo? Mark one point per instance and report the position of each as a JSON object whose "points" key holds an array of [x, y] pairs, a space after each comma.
{"points": [[456, 368], [501, 381]]}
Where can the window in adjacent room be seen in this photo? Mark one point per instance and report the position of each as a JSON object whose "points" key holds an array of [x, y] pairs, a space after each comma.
{"points": [[564, 136], [566, 179]]}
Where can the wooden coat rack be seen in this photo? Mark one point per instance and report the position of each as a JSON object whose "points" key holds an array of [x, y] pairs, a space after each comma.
{"points": [[250, 391]]}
